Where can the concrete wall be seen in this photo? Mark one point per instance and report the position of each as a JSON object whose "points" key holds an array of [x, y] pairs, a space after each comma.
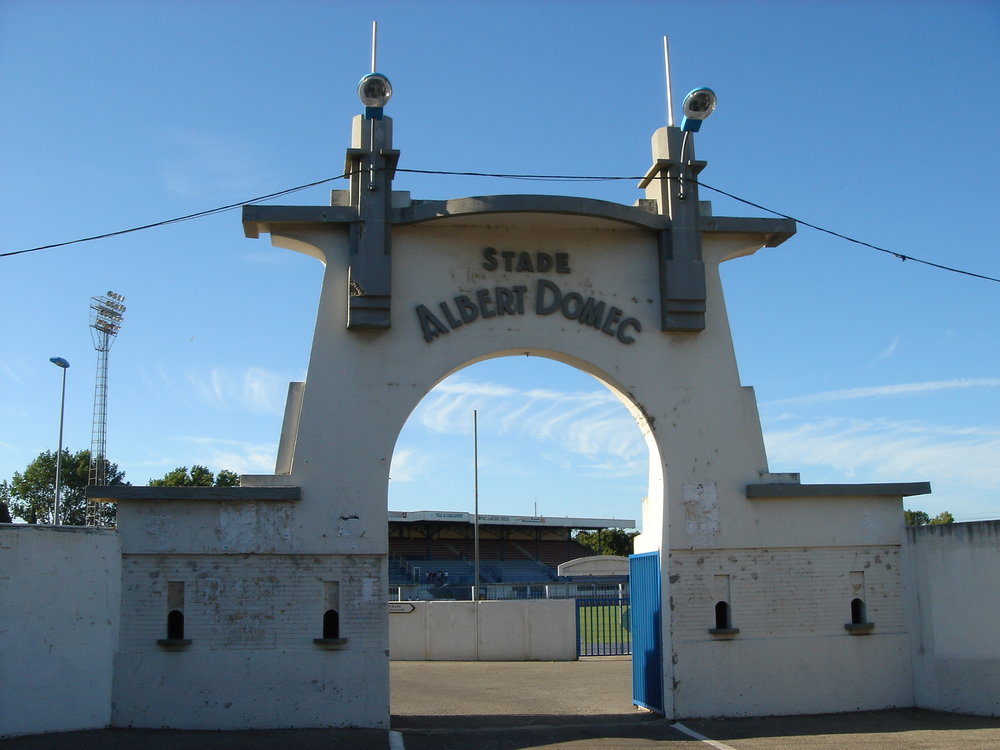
{"points": [[792, 653], [955, 601], [60, 597], [529, 630], [253, 603]]}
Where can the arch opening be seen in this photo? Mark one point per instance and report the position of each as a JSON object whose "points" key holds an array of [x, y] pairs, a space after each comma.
{"points": [[557, 438], [723, 616], [539, 412], [858, 614], [175, 625], [331, 624]]}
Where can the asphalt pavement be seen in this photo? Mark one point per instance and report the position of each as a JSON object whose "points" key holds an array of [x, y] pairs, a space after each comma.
{"points": [[544, 705]]}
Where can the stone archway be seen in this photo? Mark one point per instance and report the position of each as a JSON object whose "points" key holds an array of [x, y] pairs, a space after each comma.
{"points": [[582, 282], [485, 277], [414, 290]]}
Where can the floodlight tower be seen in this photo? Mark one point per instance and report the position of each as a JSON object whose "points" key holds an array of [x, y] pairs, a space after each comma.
{"points": [[106, 315]]}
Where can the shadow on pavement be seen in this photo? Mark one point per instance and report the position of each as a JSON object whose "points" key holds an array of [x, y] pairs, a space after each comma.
{"points": [[863, 722], [600, 735], [502, 721], [188, 739]]}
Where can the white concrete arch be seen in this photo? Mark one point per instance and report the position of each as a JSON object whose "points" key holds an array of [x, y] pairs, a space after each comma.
{"points": [[469, 285], [578, 289], [459, 284], [415, 290]]}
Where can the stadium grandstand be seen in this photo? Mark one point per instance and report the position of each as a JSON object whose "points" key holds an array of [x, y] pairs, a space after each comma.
{"points": [[432, 556]]}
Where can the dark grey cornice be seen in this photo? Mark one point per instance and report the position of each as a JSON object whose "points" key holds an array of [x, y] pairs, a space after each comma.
{"points": [[793, 490], [268, 219], [125, 492]]}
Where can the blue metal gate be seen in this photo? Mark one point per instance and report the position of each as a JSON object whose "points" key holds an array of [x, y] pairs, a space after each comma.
{"points": [[647, 647], [603, 627]]}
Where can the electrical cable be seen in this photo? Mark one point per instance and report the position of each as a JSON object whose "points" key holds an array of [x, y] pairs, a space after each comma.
{"points": [[893, 253], [538, 177], [596, 178], [175, 220], [528, 177]]}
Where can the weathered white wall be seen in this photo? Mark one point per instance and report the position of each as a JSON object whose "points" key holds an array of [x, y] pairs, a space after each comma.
{"points": [[253, 605], [525, 630], [792, 654], [954, 581], [60, 597]]}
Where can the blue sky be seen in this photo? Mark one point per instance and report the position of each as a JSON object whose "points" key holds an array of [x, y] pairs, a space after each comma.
{"points": [[874, 119]]}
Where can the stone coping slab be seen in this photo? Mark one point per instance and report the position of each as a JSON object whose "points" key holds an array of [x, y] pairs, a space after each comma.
{"points": [[125, 492]]}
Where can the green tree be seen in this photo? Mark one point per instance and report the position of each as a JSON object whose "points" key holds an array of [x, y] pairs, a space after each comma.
{"points": [[198, 476], [5, 502], [32, 492], [920, 518], [227, 478], [607, 541]]}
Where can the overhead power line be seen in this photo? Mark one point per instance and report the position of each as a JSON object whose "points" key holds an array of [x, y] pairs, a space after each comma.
{"points": [[175, 220], [893, 253], [506, 176], [599, 178]]}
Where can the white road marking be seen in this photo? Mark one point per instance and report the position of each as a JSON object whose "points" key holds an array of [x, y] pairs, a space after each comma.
{"points": [[691, 733], [396, 741]]}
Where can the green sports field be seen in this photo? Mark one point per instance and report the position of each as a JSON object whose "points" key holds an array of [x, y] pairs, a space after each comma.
{"points": [[604, 629]]}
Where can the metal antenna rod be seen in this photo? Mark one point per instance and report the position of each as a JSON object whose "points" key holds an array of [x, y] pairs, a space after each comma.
{"points": [[475, 492], [670, 93], [374, 42]]}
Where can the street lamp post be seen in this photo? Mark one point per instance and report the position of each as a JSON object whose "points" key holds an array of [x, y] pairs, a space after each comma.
{"points": [[63, 365]]}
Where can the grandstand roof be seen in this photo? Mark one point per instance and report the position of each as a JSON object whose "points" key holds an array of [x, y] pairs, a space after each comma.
{"points": [[557, 522]]}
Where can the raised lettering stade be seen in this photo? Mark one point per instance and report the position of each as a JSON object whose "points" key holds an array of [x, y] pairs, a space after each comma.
{"points": [[549, 299], [524, 261]]}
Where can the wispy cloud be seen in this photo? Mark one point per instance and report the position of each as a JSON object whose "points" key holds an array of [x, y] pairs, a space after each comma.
{"points": [[889, 350], [586, 430], [408, 464], [886, 450], [214, 453], [252, 389], [160, 382], [243, 458], [881, 391], [10, 373]]}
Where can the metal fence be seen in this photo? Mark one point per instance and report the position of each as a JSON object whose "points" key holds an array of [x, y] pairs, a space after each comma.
{"points": [[415, 592], [603, 627]]}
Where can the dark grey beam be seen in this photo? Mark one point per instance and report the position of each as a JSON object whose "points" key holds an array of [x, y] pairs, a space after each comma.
{"points": [[259, 219], [125, 492], [775, 231], [420, 211], [791, 490]]}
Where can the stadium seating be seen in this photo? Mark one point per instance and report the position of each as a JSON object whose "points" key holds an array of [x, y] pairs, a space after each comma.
{"points": [[519, 571], [501, 561]]}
